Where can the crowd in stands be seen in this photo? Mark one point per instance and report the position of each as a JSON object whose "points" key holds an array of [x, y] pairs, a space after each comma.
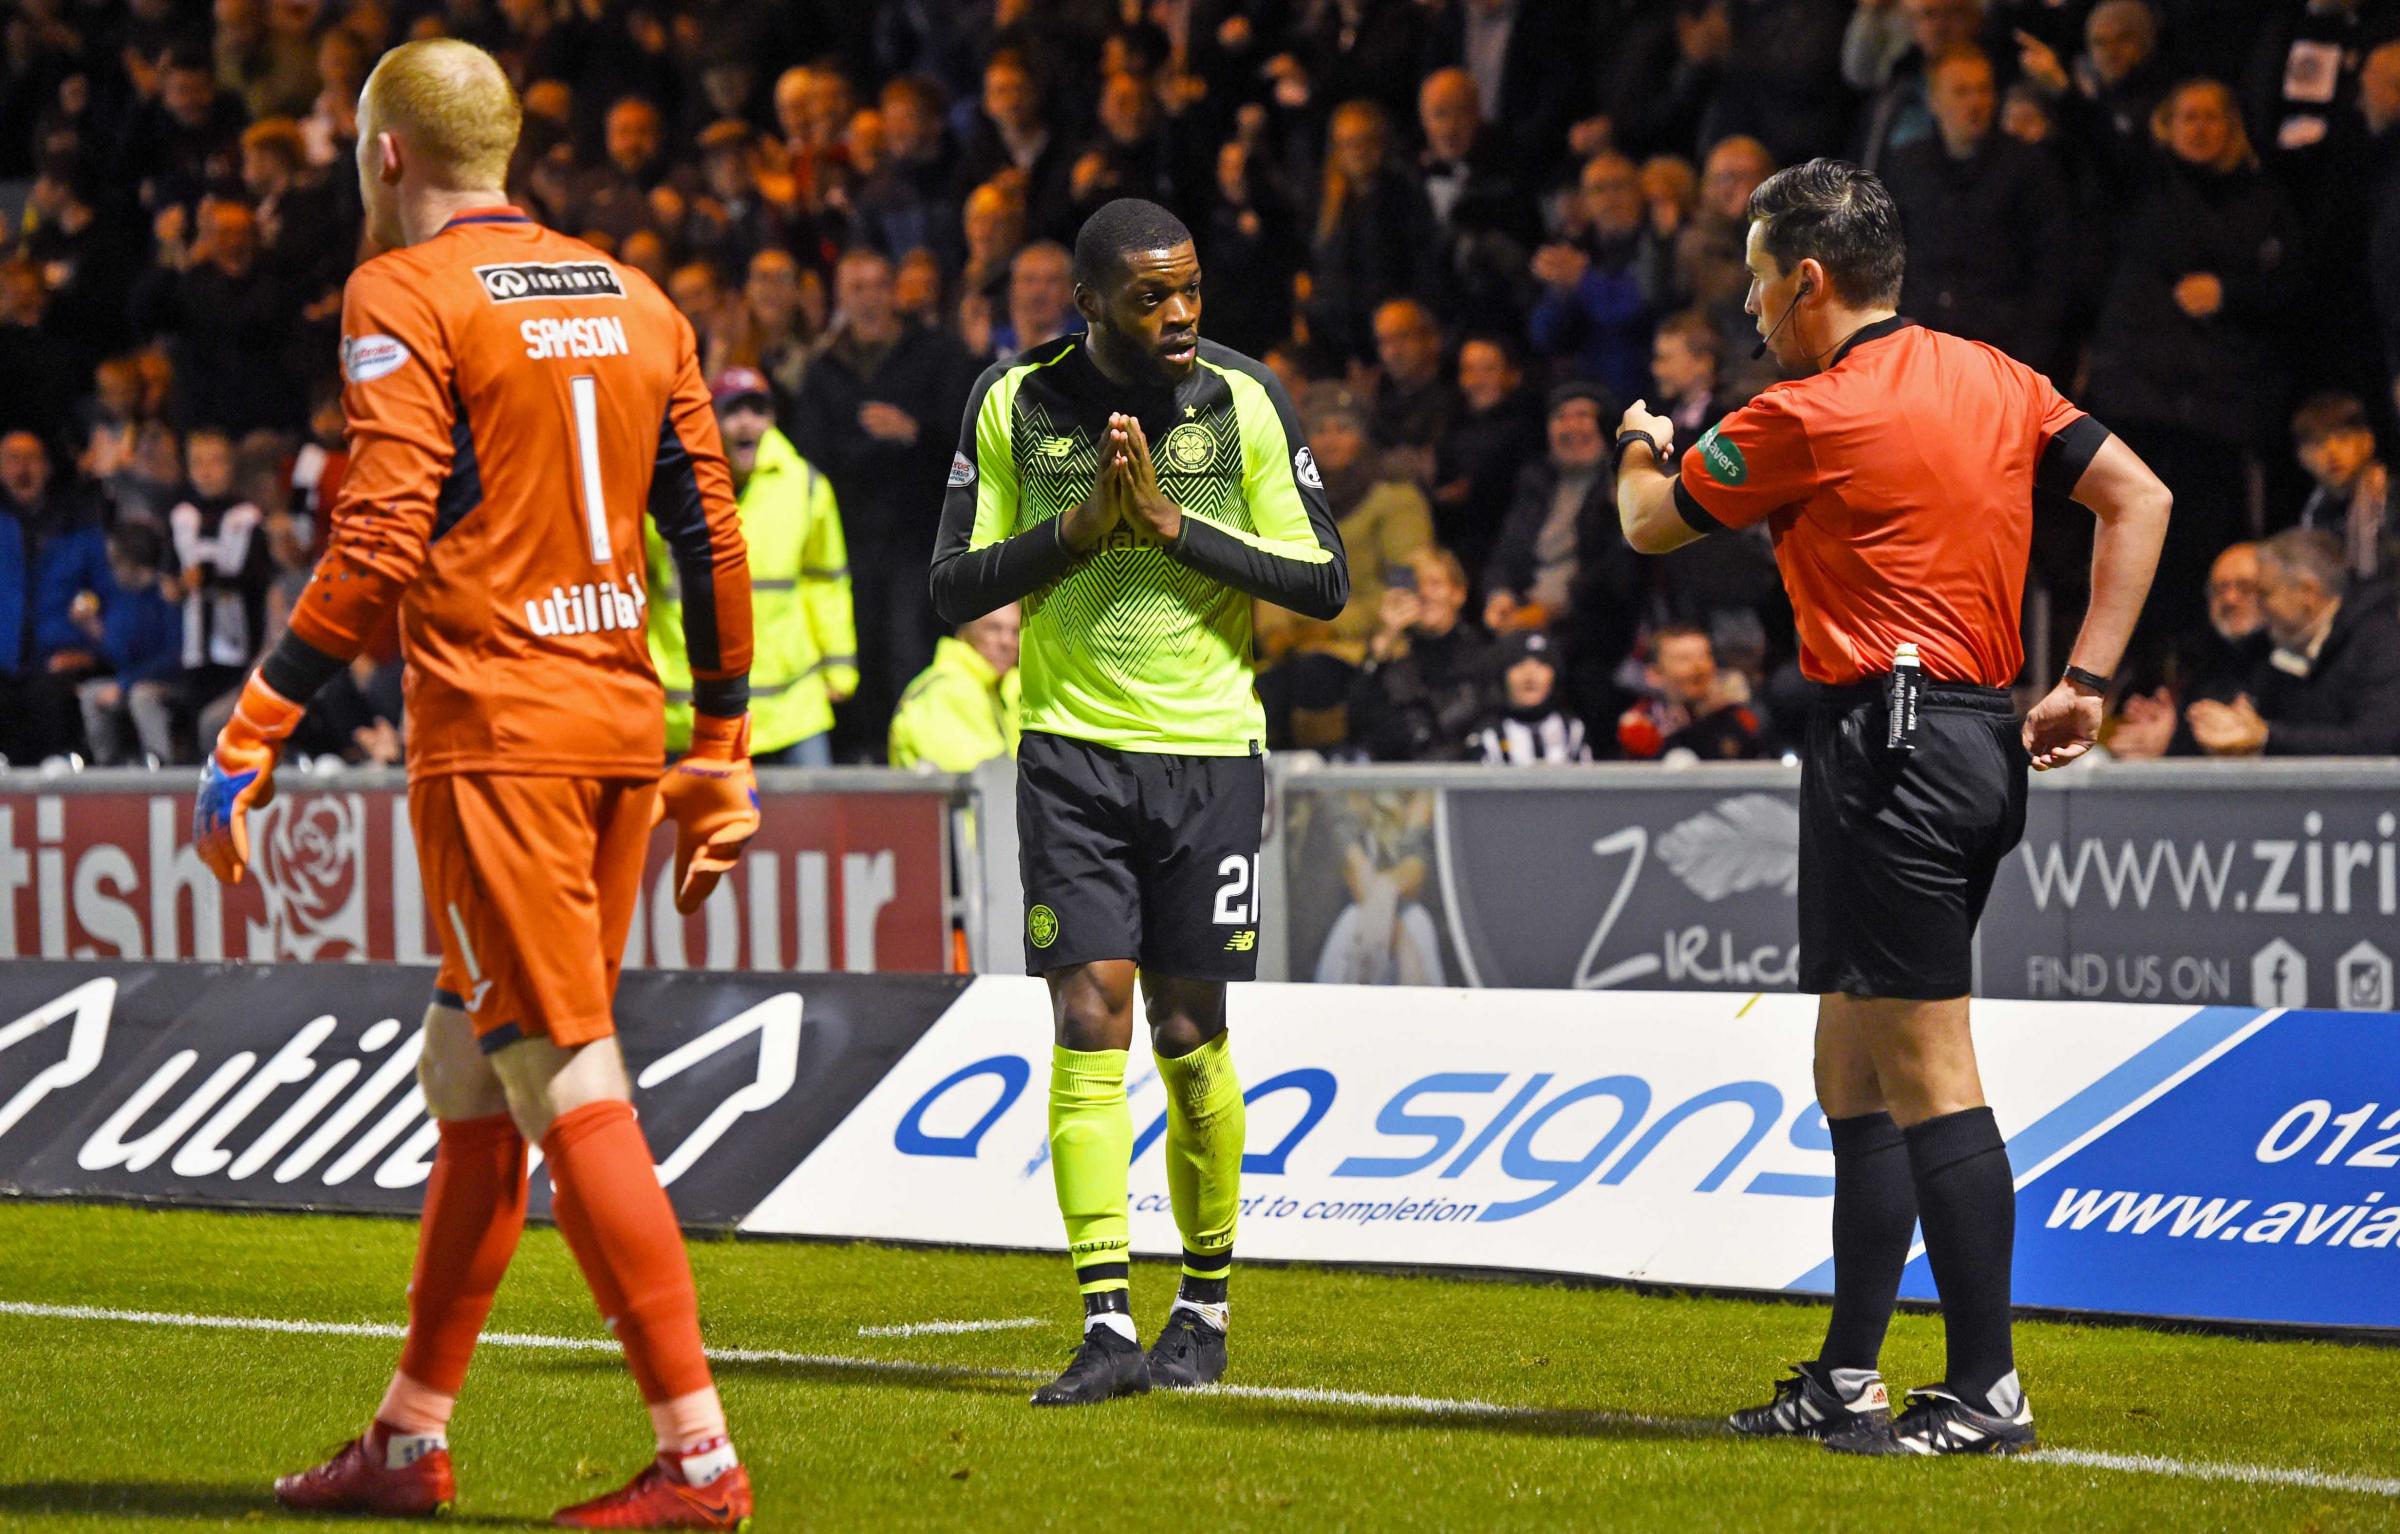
{"points": [[1466, 233]]}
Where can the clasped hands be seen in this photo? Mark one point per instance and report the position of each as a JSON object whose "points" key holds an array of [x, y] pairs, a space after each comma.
{"points": [[1127, 491]]}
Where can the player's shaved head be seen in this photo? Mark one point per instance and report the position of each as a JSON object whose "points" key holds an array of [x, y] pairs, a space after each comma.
{"points": [[450, 107]]}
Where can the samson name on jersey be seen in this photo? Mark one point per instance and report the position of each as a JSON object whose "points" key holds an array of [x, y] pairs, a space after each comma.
{"points": [[1138, 645]]}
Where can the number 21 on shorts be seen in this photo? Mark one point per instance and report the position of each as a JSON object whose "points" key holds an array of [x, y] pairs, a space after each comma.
{"points": [[1237, 897]]}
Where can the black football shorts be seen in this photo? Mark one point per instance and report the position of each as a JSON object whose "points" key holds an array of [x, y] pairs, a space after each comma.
{"points": [[1898, 848], [1139, 855]]}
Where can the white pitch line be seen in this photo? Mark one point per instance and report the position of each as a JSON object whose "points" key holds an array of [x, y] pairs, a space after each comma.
{"points": [[2203, 1470], [1431, 1406], [953, 1328]]}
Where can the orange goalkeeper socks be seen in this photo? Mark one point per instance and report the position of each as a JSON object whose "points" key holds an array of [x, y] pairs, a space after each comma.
{"points": [[617, 1221], [474, 1212]]}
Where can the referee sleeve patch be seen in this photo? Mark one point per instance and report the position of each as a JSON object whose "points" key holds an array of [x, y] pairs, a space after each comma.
{"points": [[2068, 453], [1695, 516]]}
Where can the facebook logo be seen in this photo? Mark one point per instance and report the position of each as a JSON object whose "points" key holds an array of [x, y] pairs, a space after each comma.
{"points": [[2279, 976]]}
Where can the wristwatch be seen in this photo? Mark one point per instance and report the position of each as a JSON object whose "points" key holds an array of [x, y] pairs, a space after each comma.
{"points": [[1658, 450], [2092, 679]]}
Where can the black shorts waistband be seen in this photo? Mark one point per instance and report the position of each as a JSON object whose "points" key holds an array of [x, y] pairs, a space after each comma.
{"points": [[1966, 697]]}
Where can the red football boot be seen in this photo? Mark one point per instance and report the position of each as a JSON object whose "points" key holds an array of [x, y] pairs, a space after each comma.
{"points": [[659, 1498], [358, 1480]]}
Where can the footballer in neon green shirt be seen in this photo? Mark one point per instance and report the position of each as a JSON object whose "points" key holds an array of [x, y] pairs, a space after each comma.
{"points": [[1136, 488]]}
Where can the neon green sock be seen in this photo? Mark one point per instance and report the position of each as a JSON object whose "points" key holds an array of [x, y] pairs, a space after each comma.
{"points": [[1204, 1156], [1091, 1141]]}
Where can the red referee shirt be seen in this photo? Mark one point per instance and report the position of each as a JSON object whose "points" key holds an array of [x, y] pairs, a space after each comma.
{"points": [[1898, 484]]}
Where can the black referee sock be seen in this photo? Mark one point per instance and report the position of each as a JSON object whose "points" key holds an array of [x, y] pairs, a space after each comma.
{"points": [[1967, 1197], [1874, 1214]]}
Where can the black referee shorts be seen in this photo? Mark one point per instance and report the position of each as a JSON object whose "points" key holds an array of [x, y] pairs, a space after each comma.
{"points": [[1898, 849], [1139, 855]]}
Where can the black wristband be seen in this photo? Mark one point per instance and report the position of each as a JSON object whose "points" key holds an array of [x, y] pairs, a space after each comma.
{"points": [[2092, 679], [1658, 453]]}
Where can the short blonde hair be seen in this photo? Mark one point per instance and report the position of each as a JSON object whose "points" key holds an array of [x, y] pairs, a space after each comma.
{"points": [[449, 103]]}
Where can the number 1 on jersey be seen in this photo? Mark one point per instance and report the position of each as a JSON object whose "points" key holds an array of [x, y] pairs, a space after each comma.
{"points": [[585, 391]]}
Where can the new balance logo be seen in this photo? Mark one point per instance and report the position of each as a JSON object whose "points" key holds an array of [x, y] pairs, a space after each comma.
{"points": [[1056, 447], [1241, 942]]}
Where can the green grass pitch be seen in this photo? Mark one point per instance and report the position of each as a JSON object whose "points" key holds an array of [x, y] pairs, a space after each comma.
{"points": [[1610, 1399]]}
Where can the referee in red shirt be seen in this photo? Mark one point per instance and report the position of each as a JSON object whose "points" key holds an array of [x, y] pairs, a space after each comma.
{"points": [[1896, 468]]}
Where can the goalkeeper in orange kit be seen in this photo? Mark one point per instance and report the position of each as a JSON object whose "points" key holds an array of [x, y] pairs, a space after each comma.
{"points": [[516, 403]]}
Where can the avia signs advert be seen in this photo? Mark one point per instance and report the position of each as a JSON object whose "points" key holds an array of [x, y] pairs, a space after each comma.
{"points": [[1669, 1138]]}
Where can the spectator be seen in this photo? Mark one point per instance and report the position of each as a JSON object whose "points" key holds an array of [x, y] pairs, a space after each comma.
{"points": [[145, 484], [1562, 563], [1991, 238], [1429, 676], [1719, 583], [2106, 103], [1890, 50], [874, 413], [1041, 300], [961, 711], [227, 321], [2303, 79], [1498, 427], [917, 290], [225, 565], [2187, 362], [1684, 374], [2215, 662], [814, 108], [993, 221], [774, 324], [733, 219], [1779, 76], [2332, 687], [614, 198], [1384, 522], [1711, 271], [907, 203], [1014, 135], [1131, 156], [1414, 401], [699, 292], [182, 140], [1375, 235], [1693, 711], [1534, 729], [265, 55], [1482, 212], [806, 660], [2352, 498], [1512, 50], [306, 236], [1602, 285], [89, 257], [1252, 249], [38, 368], [137, 628], [52, 555]]}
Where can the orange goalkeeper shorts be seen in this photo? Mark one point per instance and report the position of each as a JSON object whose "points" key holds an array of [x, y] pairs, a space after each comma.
{"points": [[532, 883]]}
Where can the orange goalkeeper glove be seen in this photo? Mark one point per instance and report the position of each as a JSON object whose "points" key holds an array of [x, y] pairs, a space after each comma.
{"points": [[240, 777], [712, 796]]}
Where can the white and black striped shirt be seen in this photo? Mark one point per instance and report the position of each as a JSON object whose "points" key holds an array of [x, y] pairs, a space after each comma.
{"points": [[1540, 741]]}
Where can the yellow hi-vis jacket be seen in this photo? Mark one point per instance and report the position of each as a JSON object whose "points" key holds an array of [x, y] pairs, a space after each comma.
{"points": [[957, 713], [806, 636]]}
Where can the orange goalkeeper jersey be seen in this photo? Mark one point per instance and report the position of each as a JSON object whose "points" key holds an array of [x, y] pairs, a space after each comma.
{"points": [[516, 403]]}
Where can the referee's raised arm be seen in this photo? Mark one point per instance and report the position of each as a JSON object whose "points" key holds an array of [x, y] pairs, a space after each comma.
{"points": [[1896, 468]]}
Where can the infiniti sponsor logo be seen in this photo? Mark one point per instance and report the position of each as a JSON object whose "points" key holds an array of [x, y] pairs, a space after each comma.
{"points": [[512, 281]]}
